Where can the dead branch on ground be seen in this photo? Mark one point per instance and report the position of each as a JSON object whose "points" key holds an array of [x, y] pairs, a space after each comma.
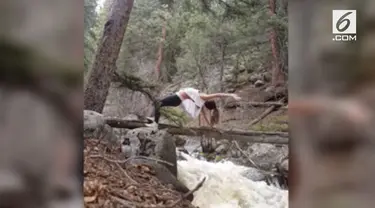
{"points": [[129, 204], [117, 163], [131, 158], [266, 113]]}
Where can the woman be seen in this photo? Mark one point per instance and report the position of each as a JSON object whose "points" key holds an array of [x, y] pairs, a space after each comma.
{"points": [[192, 101], [209, 108]]}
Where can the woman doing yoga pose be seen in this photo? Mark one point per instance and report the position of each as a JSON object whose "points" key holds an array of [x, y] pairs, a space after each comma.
{"points": [[192, 101]]}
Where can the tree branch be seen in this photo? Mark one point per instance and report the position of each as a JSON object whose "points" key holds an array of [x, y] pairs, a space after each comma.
{"points": [[135, 83], [266, 113]]}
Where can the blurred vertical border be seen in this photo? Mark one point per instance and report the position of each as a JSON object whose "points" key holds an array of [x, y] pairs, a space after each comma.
{"points": [[331, 105], [41, 102]]}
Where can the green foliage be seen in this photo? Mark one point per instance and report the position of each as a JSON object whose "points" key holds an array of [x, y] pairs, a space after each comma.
{"points": [[273, 123], [197, 33], [201, 35], [174, 115], [195, 39]]}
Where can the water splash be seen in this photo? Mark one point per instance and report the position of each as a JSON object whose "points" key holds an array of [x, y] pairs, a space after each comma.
{"points": [[227, 187]]}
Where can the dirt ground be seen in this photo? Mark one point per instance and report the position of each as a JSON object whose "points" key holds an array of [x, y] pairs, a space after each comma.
{"points": [[109, 183]]}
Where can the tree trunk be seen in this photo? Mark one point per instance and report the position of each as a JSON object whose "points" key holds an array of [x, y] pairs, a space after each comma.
{"points": [[238, 135], [160, 50], [104, 65], [277, 74], [223, 50]]}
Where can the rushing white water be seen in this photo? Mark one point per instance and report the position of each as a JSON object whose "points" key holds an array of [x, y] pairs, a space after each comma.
{"points": [[226, 187]]}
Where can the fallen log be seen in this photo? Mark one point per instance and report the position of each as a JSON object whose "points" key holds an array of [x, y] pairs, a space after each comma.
{"points": [[265, 113], [255, 104], [238, 135]]}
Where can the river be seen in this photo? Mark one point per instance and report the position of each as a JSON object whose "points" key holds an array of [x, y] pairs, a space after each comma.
{"points": [[227, 187]]}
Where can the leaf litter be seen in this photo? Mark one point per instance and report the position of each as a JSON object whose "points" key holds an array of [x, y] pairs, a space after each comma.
{"points": [[110, 182]]}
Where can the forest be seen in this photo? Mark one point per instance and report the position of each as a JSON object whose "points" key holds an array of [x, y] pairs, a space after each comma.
{"points": [[298, 133], [136, 52]]}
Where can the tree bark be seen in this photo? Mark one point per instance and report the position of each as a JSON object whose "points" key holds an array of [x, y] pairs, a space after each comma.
{"points": [[106, 56], [277, 75], [160, 50], [222, 65], [238, 135]]}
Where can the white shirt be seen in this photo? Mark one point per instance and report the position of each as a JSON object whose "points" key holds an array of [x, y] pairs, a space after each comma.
{"points": [[192, 106]]}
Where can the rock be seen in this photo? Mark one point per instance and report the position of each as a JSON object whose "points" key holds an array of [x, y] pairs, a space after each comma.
{"points": [[267, 76], [180, 142], [208, 144], [120, 132], [131, 117], [258, 83], [95, 127], [266, 155], [157, 144], [275, 93], [178, 152], [231, 90], [284, 166], [92, 120], [222, 146], [255, 77], [221, 149], [253, 174], [234, 153], [164, 175], [152, 143], [165, 150], [126, 150], [102, 132], [181, 149], [228, 78], [243, 78], [107, 133]]}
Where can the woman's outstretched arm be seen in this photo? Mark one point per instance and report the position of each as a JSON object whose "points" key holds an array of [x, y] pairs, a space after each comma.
{"points": [[207, 97]]}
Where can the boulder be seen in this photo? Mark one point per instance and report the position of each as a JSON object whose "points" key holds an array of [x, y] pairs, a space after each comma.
{"points": [[92, 120], [258, 83], [163, 174], [267, 155], [228, 78], [231, 90], [222, 146], [94, 126], [179, 141], [152, 143], [255, 77], [158, 144], [267, 76]]}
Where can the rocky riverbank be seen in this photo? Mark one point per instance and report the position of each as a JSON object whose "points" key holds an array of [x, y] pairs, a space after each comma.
{"points": [[109, 183]]}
